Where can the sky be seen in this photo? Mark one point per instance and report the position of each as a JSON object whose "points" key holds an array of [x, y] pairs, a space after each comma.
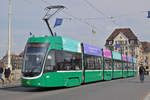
{"points": [[80, 17]]}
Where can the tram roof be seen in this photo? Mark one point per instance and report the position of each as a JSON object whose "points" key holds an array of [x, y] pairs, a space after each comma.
{"points": [[58, 42]]}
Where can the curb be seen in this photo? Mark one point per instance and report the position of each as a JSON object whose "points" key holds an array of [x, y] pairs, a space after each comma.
{"points": [[147, 97], [5, 87], [11, 85]]}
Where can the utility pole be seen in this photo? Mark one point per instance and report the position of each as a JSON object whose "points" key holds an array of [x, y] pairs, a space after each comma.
{"points": [[93, 36], [9, 33]]}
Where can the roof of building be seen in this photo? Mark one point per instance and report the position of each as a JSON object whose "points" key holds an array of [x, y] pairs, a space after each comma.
{"points": [[21, 54], [126, 31], [146, 46], [13, 56]]}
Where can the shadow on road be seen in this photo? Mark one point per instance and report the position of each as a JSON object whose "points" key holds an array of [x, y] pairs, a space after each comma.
{"points": [[28, 89]]}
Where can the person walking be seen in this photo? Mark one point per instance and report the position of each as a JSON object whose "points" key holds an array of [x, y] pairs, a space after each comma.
{"points": [[1, 72], [141, 73], [7, 74]]}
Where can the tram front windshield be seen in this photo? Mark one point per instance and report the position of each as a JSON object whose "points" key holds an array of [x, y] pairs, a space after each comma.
{"points": [[34, 58]]}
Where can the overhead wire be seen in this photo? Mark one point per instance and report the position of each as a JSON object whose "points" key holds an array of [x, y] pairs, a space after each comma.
{"points": [[102, 13], [46, 2], [91, 5], [74, 17], [111, 18]]}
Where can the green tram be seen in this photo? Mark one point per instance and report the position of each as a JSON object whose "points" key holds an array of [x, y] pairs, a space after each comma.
{"points": [[125, 66], [108, 68], [117, 65], [93, 63], [55, 61], [135, 68], [130, 66]]}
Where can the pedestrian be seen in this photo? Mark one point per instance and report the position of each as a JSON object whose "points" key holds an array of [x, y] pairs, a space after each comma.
{"points": [[141, 73], [1, 73], [7, 74]]}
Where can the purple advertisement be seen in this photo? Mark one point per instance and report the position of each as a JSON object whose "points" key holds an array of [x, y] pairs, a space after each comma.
{"points": [[92, 50], [107, 53], [124, 57], [129, 59]]}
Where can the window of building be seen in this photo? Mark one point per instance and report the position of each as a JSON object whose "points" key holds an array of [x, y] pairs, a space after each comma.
{"points": [[126, 53], [116, 42], [126, 42], [121, 50], [131, 41], [110, 42], [121, 42], [120, 37]]}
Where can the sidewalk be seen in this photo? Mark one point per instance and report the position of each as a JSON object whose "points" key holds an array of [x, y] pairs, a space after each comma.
{"points": [[15, 79], [14, 83], [147, 97]]}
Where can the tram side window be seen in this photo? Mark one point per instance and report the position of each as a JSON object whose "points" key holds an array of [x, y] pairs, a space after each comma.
{"points": [[50, 62], [93, 62], [125, 67], [98, 63], [117, 65], [68, 61], [130, 66], [108, 64], [120, 66], [89, 62]]}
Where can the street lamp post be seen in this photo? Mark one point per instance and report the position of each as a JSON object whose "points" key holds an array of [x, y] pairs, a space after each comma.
{"points": [[9, 33], [93, 37]]}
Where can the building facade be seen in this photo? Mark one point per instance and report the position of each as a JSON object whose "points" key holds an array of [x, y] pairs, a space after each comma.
{"points": [[123, 40], [16, 61], [145, 52], [2, 64]]}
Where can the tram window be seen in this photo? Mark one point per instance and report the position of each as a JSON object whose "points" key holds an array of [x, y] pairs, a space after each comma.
{"points": [[117, 65], [108, 64], [130, 66], [125, 67], [62, 60], [50, 62], [120, 66], [68, 60], [98, 63], [89, 62], [93, 62]]}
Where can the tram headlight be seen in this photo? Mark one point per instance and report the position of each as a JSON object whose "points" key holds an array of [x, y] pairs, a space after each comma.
{"points": [[27, 82]]}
